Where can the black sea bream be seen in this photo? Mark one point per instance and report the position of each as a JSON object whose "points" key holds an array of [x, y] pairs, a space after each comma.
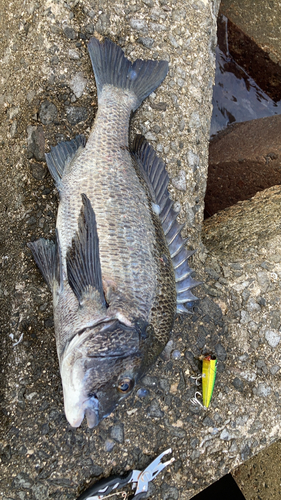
{"points": [[118, 269]]}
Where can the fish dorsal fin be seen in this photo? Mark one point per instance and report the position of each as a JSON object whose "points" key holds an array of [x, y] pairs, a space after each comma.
{"points": [[61, 155], [47, 256], [83, 260], [153, 170]]}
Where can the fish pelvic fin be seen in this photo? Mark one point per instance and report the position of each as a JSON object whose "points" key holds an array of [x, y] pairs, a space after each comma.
{"points": [[47, 256], [62, 155], [153, 171], [111, 67], [83, 260]]}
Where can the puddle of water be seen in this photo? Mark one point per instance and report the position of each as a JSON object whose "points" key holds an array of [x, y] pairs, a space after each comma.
{"points": [[236, 96]]}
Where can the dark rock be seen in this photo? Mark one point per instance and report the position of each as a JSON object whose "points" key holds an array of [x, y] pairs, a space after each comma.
{"points": [[117, 433], [160, 106], [45, 429], [150, 381], [38, 171], [238, 384], [22, 480], [61, 481], [36, 142], [246, 453], [69, 33], [154, 410], [49, 323], [146, 41], [76, 114], [40, 491], [48, 112], [169, 492], [220, 352], [96, 470]]}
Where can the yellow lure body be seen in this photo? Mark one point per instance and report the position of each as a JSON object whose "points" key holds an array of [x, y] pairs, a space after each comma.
{"points": [[209, 370]]}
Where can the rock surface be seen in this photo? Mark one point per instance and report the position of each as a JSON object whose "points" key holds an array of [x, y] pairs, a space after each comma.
{"points": [[243, 159], [254, 38]]}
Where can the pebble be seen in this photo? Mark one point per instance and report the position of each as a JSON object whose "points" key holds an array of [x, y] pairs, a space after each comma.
{"points": [[238, 384], [78, 84], [274, 369], [272, 338], [220, 352], [109, 445], [36, 142], [40, 491], [48, 112], [76, 114], [138, 24], [263, 390], [176, 354], [154, 410], [179, 182], [38, 171], [117, 433], [169, 492], [142, 392], [69, 33], [146, 41], [73, 54]]}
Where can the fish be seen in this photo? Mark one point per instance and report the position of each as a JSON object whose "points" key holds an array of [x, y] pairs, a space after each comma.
{"points": [[118, 268]]}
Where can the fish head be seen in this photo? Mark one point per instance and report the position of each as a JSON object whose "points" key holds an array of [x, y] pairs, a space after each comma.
{"points": [[99, 369]]}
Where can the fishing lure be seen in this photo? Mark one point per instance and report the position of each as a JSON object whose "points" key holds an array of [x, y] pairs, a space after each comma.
{"points": [[209, 370], [208, 376]]}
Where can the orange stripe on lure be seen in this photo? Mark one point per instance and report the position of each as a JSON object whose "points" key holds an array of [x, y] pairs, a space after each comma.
{"points": [[209, 370]]}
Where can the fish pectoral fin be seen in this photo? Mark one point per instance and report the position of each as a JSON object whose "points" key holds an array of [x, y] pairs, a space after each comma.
{"points": [[82, 258], [46, 254], [61, 155]]}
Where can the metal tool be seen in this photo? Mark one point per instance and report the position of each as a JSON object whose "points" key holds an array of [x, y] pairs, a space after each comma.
{"points": [[104, 487]]}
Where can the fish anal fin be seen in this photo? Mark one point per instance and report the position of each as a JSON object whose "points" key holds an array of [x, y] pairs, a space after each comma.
{"points": [[46, 255]]}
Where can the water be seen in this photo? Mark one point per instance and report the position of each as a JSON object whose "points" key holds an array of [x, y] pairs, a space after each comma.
{"points": [[236, 96]]}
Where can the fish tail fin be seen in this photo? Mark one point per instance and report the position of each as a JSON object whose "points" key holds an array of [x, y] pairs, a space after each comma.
{"points": [[111, 67]]}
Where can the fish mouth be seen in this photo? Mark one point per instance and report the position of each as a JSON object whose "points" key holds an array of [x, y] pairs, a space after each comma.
{"points": [[89, 409]]}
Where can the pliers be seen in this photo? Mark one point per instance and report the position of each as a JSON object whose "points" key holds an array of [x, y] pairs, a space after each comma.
{"points": [[140, 479]]}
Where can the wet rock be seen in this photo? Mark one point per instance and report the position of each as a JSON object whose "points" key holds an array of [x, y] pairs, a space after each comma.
{"points": [[35, 142], [76, 114], [78, 84], [117, 433], [233, 156], [48, 112], [38, 171]]}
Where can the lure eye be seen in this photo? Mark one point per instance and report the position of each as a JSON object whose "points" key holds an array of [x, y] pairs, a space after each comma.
{"points": [[125, 385]]}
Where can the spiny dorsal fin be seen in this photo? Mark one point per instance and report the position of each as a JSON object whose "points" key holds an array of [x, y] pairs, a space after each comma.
{"points": [[46, 254], [82, 259], [153, 170], [61, 155]]}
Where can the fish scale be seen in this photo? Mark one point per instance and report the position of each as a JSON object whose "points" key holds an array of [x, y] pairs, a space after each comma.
{"points": [[116, 279]]}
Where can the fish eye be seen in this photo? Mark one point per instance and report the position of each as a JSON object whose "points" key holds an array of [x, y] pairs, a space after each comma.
{"points": [[125, 385]]}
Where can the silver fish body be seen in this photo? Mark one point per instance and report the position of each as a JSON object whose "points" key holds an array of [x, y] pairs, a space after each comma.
{"points": [[112, 270]]}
